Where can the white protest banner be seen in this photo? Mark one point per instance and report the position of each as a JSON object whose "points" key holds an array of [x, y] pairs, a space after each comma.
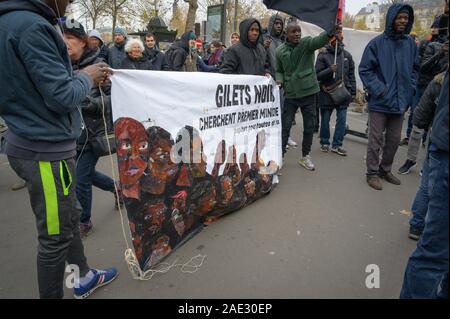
{"points": [[191, 147]]}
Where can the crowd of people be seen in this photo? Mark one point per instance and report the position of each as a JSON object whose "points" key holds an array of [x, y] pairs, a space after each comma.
{"points": [[58, 100]]}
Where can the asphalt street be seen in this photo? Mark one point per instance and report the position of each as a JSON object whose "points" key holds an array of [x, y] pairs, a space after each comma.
{"points": [[312, 237]]}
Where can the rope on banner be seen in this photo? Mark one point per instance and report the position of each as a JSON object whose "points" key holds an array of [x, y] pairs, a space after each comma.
{"points": [[190, 266]]}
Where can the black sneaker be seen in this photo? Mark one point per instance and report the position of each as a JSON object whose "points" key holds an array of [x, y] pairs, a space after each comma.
{"points": [[325, 148], [407, 167], [339, 151], [404, 142], [414, 233]]}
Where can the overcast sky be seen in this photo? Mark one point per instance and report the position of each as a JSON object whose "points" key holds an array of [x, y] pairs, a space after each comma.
{"points": [[353, 6]]}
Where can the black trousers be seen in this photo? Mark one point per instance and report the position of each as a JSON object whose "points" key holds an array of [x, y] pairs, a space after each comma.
{"points": [[51, 186], [307, 106]]}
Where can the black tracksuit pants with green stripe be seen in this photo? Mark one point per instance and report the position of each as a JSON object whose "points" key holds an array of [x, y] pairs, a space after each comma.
{"points": [[51, 186]]}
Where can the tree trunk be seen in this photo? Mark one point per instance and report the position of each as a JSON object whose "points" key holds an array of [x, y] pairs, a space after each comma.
{"points": [[190, 21]]}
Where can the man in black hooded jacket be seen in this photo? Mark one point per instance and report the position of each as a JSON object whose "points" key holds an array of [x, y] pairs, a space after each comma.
{"points": [[179, 52], [248, 56]]}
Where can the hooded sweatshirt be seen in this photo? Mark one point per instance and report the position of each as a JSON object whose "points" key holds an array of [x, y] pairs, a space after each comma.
{"points": [[246, 57], [178, 53], [390, 65], [277, 40], [39, 93]]}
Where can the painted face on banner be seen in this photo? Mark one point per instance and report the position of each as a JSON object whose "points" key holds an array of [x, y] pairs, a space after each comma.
{"points": [[179, 201], [160, 163], [249, 187], [207, 202], [132, 150], [226, 192], [161, 169], [154, 217], [161, 248], [178, 222]]}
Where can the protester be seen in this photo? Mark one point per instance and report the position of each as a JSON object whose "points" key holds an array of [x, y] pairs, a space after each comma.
{"points": [[248, 56], [92, 110], [436, 64], [96, 41], [275, 31], [203, 67], [433, 60], [216, 53], [235, 38], [297, 76], [135, 59], [157, 58], [331, 70], [426, 275], [116, 54], [423, 118], [39, 104], [388, 70], [181, 55]]}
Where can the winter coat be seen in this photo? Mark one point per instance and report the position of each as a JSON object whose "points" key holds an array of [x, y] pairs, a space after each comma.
{"points": [[425, 110], [390, 65], [246, 57], [203, 67], [116, 55], [295, 66], [277, 41], [157, 59], [215, 58], [142, 63], [92, 106], [432, 64], [104, 51], [178, 53], [439, 134], [40, 94], [326, 77]]}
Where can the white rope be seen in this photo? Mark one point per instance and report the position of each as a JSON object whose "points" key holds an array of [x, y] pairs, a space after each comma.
{"points": [[190, 266]]}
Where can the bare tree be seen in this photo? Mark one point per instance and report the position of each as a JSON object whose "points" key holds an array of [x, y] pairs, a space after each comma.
{"points": [[190, 21], [349, 20], [94, 9], [115, 8], [146, 9]]}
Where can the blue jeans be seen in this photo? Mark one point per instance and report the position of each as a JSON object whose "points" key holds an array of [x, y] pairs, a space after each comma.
{"points": [[420, 204], [426, 275], [86, 177], [339, 132]]}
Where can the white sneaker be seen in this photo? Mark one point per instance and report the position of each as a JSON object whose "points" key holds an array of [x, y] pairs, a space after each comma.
{"points": [[307, 163], [292, 143]]}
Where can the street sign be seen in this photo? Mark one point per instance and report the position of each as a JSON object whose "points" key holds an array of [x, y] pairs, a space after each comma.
{"points": [[215, 25]]}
